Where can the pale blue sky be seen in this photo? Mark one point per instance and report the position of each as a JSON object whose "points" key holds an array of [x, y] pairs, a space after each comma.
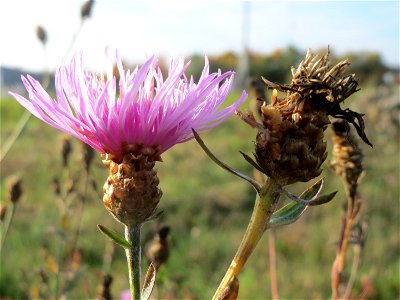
{"points": [[175, 28]]}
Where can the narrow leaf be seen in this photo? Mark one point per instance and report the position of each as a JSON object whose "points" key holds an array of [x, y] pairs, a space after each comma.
{"points": [[323, 199], [114, 236], [149, 282], [253, 182], [312, 202], [313, 190], [286, 215], [252, 162], [292, 211]]}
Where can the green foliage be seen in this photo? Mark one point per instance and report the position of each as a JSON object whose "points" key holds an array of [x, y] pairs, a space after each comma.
{"points": [[207, 209], [274, 66]]}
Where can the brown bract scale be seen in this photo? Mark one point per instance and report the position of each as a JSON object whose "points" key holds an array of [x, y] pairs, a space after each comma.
{"points": [[131, 192], [290, 144]]}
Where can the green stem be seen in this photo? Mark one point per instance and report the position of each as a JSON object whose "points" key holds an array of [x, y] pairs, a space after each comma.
{"points": [[264, 207], [15, 134], [132, 235]]}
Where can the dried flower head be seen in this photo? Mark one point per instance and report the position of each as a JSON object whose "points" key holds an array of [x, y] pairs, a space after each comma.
{"points": [[133, 127], [66, 149], [87, 155], [55, 184], [157, 250], [86, 9], [346, 155], [290, 144], [41, 34], [14, 189]]}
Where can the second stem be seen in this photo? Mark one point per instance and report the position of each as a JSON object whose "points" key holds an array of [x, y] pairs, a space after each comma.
{"points": [[265, 205]]}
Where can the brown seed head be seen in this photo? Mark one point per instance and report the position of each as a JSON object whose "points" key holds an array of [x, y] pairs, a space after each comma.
{"points": [[346, 155], [66, 149], [56, 186], [88, 155], [86, 9], [157, 250], [41, 34], [290, 144], [131, 192], [15, 189]]}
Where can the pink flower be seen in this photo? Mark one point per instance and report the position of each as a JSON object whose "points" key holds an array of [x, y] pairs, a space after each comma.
{"points": [[145, 108]]}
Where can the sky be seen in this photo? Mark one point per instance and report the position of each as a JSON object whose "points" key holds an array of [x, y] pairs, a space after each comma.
{"points": [[172, 28]]}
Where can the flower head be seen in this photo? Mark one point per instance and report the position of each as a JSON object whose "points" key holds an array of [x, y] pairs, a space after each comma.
{"points": [[145, 108], [290, 144]]}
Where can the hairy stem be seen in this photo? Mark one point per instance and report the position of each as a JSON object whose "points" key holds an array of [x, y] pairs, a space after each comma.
{"points": [[132, 235], [264, 207]]}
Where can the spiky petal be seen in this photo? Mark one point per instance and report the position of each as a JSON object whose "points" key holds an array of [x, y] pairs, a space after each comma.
{"points": [[147, 109]]}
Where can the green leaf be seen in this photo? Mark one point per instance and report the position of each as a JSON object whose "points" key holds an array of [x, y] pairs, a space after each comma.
{"points": [[114, 236], [292, 211], [287, 214], [252, 162], [322, 199], [149, 282], [312, 191]]}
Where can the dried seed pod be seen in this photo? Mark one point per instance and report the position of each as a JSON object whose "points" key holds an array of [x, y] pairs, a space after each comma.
{"points": [[88, 155], [14, 189], [86, 9], [56, 186], [131, 192], [346, 155], [66, 149], [106, 287], [157, 250], [41, 34]]}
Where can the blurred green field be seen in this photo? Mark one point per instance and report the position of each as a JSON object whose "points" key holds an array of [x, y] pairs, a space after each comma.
{"points": [[207, 209]]}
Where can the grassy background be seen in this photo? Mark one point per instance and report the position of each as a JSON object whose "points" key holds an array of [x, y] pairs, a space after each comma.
{"points": [[207, 209]]}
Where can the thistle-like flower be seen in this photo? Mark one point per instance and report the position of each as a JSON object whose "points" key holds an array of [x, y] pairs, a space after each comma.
{"points": [[290, 144], [133, 123]]}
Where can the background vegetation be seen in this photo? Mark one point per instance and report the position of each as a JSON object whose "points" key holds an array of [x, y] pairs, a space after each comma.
{"points": [[206, 208]]}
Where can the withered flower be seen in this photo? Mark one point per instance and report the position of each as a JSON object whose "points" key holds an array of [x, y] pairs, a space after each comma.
{"points": [[290, 144]]}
